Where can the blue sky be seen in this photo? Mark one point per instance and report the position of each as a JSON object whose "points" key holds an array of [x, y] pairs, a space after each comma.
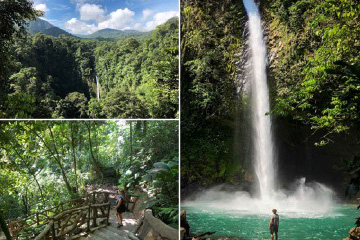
{"points": [[88, 16]]}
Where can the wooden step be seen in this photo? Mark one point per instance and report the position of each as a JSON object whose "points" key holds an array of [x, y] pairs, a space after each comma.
{"points": [[102, 235], [89, 237], [108, 233], [118, 231], [113, 234]]}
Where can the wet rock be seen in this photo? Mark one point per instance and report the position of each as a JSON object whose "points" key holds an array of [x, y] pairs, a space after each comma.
{"points": [[354, 234]]}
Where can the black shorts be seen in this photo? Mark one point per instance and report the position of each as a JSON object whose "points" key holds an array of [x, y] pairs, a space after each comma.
{"points": [[121, 209], [274, 229]]}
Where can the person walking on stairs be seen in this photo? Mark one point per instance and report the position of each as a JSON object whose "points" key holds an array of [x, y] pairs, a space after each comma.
{"points": [[120, 207]]}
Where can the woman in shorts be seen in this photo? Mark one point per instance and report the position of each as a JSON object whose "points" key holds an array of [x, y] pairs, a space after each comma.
{"points": [[120, 207]]}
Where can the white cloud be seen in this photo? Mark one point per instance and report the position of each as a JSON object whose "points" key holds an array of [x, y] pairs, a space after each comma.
{"points": [[41, 7], [147, 13], [83, 1], [92, 12], [49, 20], [136, 26], [61, 7], [121, 19], [79, 27], [118, 19], [160, 18]]}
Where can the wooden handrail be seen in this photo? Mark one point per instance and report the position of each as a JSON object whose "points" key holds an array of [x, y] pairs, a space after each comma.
{"points": [[100, 204], [16, 220], [45, 231], [83, 215], [21, 224], [69, 211], [131, 199]]}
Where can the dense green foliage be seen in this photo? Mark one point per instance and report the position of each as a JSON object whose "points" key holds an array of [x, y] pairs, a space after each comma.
{"points": [[55, 77], [44, 163], [313, 75], [111, 34], [316, 64], [140, 78], [315, 71], [211, 36], [152, 161], [13, 17]]}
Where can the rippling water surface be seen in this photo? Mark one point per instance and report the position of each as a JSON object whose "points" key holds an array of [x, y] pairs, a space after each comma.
{"points": [[240, 225]]}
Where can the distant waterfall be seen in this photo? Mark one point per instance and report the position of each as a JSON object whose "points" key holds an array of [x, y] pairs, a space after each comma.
{"points": [[97, 88], [262, 136]]}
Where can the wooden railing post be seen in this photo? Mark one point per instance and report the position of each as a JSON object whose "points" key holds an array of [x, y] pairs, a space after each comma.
{"points": [[37, 219], [108, 214], [12, 228], [94, 217], [53, 233], [89, 218], [93, 198], [106, 197]]}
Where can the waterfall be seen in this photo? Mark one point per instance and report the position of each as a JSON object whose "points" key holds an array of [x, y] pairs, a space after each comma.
{"points": [[97, 88], [262, 136], [301, 199]]}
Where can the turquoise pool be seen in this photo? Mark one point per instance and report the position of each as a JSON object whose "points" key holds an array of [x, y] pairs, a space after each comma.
{"points": [[237, 224]]}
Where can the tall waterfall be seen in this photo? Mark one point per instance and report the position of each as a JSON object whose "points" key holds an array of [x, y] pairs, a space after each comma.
{"points": [[302, 199], [97, 88], [262, 136]]}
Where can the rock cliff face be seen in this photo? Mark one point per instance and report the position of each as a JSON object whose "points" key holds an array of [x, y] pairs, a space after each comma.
{"points": [[304, 74]]}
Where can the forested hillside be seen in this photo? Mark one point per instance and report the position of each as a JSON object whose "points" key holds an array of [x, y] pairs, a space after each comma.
{"points": [[108, 34], [55, 77], [111, 34], [48, 162], [43, 26], [313, 52], [211, 37]]}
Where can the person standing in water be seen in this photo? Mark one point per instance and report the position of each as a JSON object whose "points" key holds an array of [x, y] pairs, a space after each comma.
{"points": [[274, 224]]}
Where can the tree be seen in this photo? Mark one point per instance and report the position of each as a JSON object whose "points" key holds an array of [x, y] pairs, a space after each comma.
{"points": [[4, 227], [13, 18], [54, 161], [212, 36], [317, 74], [120, 103]]}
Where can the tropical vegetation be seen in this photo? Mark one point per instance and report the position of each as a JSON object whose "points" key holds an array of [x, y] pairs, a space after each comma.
{"points": [[45, 163], [135, 75], [313, 74]]}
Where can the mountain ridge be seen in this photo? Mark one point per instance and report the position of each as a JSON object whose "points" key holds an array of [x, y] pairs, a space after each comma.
{"points": [[47, 28], [107, 34], [110, 33]]}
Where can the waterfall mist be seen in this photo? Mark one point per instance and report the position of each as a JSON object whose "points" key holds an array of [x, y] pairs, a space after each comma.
{"points": [[311, 200]]}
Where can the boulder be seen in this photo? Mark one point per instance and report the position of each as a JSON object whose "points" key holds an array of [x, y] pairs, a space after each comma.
{"points": [[354, 234]]}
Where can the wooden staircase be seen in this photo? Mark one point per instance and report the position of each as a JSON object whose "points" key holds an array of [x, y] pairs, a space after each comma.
{"points": [[107, 233], [112, 232], [90, 217]]}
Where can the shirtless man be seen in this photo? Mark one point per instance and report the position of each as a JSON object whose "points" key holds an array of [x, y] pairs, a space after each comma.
{"points": [[274, 225]]}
